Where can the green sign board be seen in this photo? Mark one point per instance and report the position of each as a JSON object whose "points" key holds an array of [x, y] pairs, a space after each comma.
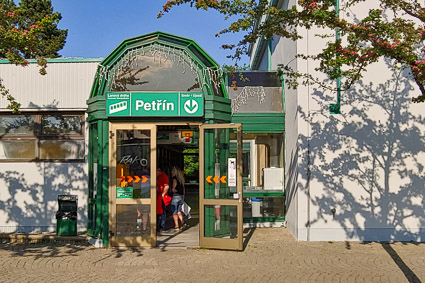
{"points": [[163, 104], [126, 192]]}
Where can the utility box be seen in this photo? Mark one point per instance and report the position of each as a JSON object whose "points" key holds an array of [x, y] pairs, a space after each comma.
{"points": [[66, 216], [273, 179], [256, 207]]}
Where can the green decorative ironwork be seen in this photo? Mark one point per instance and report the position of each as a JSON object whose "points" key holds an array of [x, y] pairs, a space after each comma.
{"points": [[162, 53]]}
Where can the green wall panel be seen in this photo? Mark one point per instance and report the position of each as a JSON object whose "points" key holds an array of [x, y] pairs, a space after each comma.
{"points": [[260, 122]]}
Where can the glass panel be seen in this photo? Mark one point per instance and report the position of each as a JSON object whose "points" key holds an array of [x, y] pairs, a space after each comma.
{"points": [[219, 182], [262, 161], [18, 149], [17, 125], [133, 163], [92, 217], [255, 92], [256, 99], [221, 221], [94, 153], [133, 220], [64, 125], [191, 166], [263, 207], [60, 149], [156, 71]]}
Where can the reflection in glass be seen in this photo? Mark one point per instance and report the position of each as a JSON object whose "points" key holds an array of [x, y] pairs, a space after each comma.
{"points": [[94, 150], [149, 73], [17, 125], [18, 149], [217, 154], [91, 216], [133, 220], [221, 221], [133, 162], [68, 125], [257, 92], [262, 160], [256, 99], [62, 149], [263, 207]]}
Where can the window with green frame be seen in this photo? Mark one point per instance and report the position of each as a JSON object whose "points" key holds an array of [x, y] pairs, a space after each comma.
{"points": [[93, 177], [50, 136]]}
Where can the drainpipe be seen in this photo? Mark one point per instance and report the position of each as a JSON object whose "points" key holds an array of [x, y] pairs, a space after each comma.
{"points": [[336, 108]]}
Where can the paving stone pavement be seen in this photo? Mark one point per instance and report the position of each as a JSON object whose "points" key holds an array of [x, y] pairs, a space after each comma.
{"points": [[271, 255]]}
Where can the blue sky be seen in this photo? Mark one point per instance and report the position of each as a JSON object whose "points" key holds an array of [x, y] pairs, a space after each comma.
{"points": [[96, 27]]}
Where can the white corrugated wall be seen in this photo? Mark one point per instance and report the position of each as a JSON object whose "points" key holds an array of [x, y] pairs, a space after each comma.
{"points": [[66, 85]]}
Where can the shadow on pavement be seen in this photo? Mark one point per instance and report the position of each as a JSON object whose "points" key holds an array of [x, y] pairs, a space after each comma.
{"points": [[247, 234], [42, 250], [410, 275]]}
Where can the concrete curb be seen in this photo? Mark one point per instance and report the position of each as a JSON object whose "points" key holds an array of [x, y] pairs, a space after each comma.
{"points": [[39, 238]]}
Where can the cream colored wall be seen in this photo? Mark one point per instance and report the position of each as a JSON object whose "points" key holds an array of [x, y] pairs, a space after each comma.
{"points": [[29, 191], [283, 52], [367, 163]]}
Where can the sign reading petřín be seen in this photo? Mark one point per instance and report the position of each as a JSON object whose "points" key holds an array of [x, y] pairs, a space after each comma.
{"points": [[181, 104]]}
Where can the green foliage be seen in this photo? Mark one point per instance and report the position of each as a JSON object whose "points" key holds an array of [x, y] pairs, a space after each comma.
{"points": [[191, 163], [395, 31], [52, 38], [28, 31]]}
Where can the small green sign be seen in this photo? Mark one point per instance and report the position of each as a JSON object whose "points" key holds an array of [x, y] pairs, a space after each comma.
{"points": [[191, 104], [118, 104], [151, 104], [125, 192]]}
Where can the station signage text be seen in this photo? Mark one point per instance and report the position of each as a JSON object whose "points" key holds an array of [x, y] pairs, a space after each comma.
{"points": [[172, 104]]}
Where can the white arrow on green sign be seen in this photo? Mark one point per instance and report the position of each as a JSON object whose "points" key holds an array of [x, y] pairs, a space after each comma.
{"points": [[191, 106]]}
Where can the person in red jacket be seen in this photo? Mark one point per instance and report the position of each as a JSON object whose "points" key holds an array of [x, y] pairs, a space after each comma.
{"points": [[163, 186]]}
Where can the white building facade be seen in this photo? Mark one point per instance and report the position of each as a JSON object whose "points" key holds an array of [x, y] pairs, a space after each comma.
{"points": [[43, 149], [358, 175]]}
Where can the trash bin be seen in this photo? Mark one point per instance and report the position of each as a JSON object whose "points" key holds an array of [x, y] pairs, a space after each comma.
{"points": [[66, 216]]}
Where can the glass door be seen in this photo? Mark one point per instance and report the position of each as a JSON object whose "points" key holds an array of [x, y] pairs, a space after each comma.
{"points": [[220, 195], [132, 188]]}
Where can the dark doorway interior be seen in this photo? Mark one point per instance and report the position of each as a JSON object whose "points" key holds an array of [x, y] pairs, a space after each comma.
{"points": [[177, 145]]}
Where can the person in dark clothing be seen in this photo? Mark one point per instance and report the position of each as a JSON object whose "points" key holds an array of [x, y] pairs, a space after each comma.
{"points": [[178, 190]]}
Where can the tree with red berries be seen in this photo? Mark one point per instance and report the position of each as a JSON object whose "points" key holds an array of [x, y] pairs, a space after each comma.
{"points": [[394, 30], [28, 33]]}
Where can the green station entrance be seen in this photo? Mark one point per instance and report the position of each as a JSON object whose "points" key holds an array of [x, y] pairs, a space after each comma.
{"points": [[152, 99], [138, 149], [159, 101]]}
